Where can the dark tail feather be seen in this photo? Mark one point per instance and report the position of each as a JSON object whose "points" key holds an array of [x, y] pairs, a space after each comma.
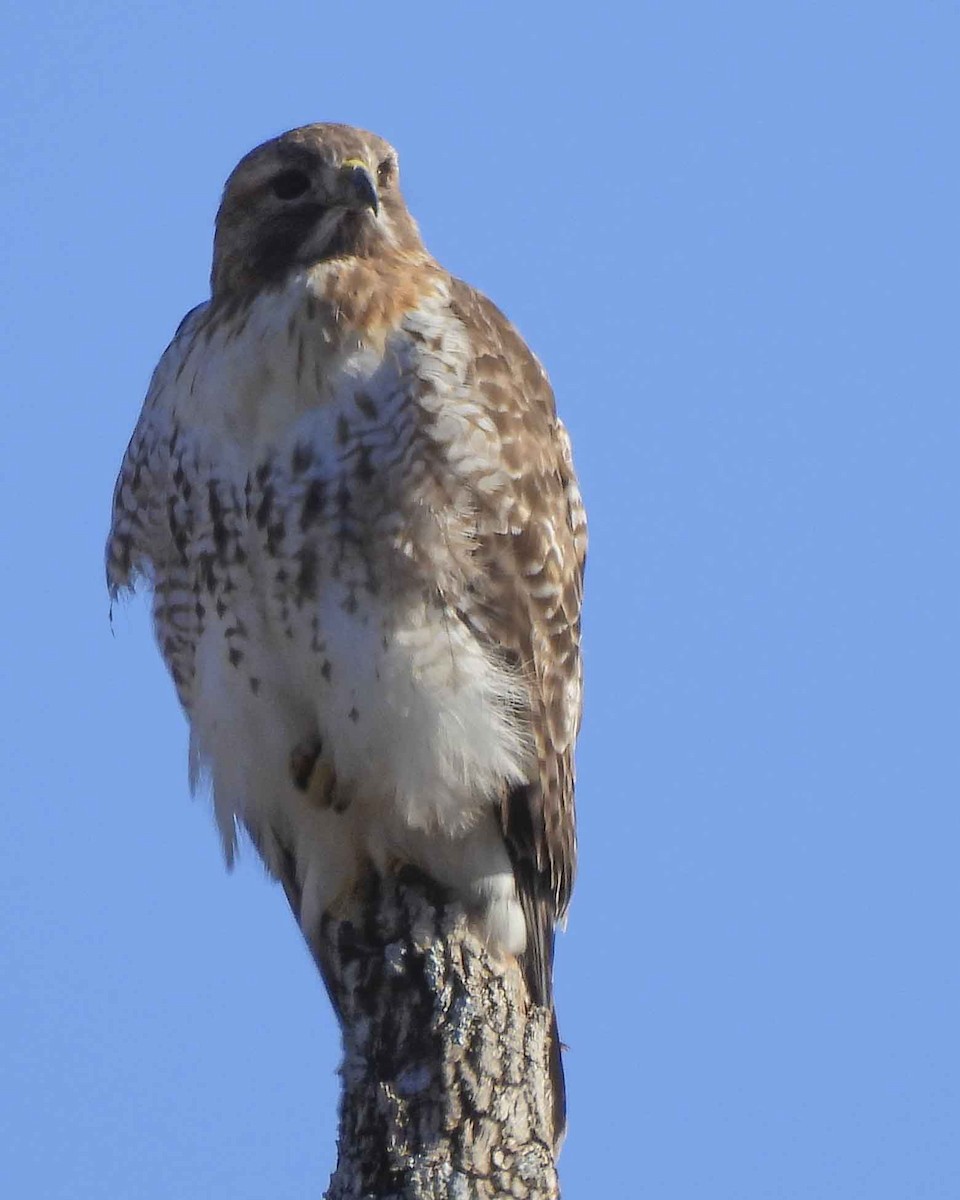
{"points": [[538, 901], [558, 1082], [537, 964]]}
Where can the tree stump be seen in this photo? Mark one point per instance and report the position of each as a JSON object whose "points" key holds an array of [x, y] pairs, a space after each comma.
{"points": [[445, 1078]]}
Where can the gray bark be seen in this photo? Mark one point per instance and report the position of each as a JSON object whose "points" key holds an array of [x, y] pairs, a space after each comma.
{"points": [[445, 1083]]}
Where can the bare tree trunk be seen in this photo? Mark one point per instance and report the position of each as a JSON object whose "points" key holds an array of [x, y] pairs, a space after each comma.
{"points": [[446, 1088]]}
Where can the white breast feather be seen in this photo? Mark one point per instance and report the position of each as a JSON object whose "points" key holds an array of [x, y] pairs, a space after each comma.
{"points": [[424, 727]]}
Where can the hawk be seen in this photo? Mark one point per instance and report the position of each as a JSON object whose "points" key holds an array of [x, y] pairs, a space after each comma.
{"points": [[356, 508]]}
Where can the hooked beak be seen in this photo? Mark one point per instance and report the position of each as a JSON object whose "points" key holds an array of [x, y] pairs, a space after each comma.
{"points": [[360, 183]]}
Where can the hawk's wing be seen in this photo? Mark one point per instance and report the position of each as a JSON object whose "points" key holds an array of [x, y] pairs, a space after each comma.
{"points": [[152, 519], [526, 597]]}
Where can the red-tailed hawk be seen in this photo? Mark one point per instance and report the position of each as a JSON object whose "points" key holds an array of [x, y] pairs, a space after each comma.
{"points": [[356, 507]]}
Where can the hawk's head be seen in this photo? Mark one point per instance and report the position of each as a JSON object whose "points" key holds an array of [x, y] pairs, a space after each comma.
{"points": [[315, 193]]}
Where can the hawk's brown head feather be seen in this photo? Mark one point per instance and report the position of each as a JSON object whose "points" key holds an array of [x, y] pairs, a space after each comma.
{"points": [[319, 192]]}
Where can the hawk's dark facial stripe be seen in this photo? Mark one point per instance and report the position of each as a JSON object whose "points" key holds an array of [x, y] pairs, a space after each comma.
{"points": [[278, 247]]}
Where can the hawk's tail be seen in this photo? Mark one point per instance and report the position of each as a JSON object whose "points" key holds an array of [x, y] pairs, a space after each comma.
{"points": [[537, 963], [539, 904]]}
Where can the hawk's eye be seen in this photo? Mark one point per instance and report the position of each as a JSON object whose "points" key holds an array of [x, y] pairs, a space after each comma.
{"points": [[386, 172], [288, 185]]}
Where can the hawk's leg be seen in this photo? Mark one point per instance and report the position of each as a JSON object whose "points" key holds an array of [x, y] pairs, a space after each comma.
{"points": [[303, 758], [314, 775]]}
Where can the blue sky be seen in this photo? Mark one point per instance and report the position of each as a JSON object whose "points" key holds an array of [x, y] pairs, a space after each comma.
{"points": [[730, 232]]}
